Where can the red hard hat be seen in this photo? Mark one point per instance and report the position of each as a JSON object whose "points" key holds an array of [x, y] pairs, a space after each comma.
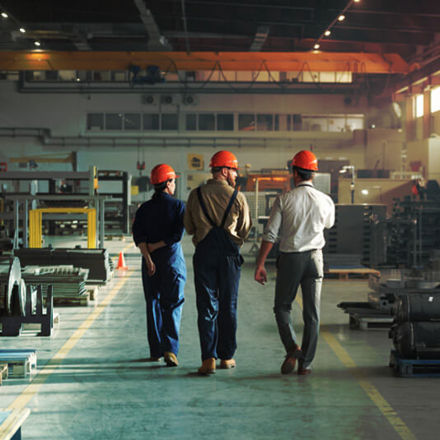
{"points": [[306, 160], [161, 173], [224, 159]]}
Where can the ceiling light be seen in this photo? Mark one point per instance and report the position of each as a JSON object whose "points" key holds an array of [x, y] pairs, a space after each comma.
{"points": [[327, 33], [4, 15], [22, 30], [341, 18], [357, 1], [37, 43], [316, 46], [364, 192]]}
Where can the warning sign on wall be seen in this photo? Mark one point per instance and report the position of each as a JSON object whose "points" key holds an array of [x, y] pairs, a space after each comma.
{"points": [[195, 162]]}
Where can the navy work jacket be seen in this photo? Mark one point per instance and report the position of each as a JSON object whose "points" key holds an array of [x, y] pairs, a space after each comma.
{"points": [[160, 218]]}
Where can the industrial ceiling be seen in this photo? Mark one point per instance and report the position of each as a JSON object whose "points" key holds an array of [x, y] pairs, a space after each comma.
{"points": [[404, 28]]}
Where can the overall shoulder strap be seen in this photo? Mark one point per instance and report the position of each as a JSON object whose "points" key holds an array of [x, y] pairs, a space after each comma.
{"points": [[203, 206], [228, 209]]}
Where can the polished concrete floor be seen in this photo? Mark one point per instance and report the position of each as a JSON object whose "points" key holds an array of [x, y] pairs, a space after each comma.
{"points": [[93, 382]]}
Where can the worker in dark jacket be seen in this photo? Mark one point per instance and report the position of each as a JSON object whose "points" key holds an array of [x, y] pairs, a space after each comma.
{"points": [[298, 218], [157, 231], [217, 215]]}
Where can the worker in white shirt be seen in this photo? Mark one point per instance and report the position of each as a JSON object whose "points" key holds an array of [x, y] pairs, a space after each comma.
{"points": [[298, 218]]}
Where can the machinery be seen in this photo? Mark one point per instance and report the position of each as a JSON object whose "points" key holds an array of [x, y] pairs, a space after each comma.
{"points": [[20, 303]]}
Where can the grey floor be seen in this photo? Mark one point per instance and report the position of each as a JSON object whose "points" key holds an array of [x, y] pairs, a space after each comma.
{"points": [[93, 384]]}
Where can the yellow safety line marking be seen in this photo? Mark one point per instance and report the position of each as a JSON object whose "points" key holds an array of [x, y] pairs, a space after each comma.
{"points": [[372, 392], [29, 392], [385, 408], [127, 247]]}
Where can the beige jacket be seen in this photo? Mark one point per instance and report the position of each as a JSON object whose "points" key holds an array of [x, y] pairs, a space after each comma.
{"points": [[216, 195]]}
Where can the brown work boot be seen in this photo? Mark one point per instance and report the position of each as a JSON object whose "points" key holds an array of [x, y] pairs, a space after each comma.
{"points": [[170, 359], [289, 362], [208, 367], [225, 364], [303, 371]]}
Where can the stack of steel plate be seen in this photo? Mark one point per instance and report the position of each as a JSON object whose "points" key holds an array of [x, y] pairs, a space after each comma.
{"points": [[96, 260], [67, 281]]}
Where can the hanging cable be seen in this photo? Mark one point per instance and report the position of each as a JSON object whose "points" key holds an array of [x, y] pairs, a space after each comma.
{"points": [[185, 28]]}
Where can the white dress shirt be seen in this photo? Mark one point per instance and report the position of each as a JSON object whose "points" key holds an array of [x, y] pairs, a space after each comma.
{"points": [[299, 218]]}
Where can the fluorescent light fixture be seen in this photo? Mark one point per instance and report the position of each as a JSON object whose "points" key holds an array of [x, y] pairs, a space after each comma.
{"points": [[316, 46], [341, 18], [4, 15], [327, 32], [22, 30]]}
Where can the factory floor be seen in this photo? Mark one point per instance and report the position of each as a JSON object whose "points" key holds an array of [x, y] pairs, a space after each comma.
{"points": [[93, 383]]}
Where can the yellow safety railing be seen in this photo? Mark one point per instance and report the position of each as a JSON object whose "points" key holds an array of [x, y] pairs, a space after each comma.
{"points": [[36, 224]]}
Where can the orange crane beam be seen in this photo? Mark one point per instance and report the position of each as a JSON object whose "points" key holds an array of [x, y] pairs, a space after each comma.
{"points": [[227, 61]]}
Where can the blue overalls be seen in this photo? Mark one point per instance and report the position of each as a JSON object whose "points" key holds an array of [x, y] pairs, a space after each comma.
{"points": [[161, 218], [217, 265]]}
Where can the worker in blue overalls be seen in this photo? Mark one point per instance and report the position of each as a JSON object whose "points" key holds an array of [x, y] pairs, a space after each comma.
{"points": [[157, 231], [217, 215]]}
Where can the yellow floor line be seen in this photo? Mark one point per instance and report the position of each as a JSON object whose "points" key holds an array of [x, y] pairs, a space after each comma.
{"points": [[372, 392], [29, 392]]}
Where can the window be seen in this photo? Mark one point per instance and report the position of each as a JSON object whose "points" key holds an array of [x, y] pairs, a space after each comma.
{"points": [[435, 100], [246, 122], [419, 106], [264, 122], [297, 122], [354, 122], [169, 121], [95, 121], [113, 121], [151, 121], [206, 122], [225, 122], [315, 123], [132, 121], [191, 121]]}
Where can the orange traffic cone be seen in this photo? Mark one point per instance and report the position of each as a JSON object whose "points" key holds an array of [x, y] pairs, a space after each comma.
{"points": [[121, 262]]}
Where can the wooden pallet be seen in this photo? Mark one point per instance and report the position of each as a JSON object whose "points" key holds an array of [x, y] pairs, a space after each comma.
{"points": [[345, 273], [3, 372], [22, 363], [67, 301], [414, 367]]}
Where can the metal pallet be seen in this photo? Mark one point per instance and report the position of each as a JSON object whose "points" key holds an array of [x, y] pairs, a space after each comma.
{"points": [[414, 367]]}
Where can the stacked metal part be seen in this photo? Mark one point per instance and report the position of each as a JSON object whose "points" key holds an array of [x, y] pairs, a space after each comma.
{"points": [[394, 283], [67, 281], [413, 232], [97, 261], [349, 242], [12, 288], [416, 328]]}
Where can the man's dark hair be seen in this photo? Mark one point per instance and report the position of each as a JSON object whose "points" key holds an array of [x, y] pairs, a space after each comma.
{"points": [[160, 187], [303, 174]]}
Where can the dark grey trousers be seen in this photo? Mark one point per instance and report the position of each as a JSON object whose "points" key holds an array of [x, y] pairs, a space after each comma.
{"points": [[296, 269]]}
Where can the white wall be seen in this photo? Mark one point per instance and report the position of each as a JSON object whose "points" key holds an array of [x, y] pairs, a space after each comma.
{"points": [[64, 114]]}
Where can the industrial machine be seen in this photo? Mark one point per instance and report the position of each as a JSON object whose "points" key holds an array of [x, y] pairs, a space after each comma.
{"points": [[20, 303]]}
